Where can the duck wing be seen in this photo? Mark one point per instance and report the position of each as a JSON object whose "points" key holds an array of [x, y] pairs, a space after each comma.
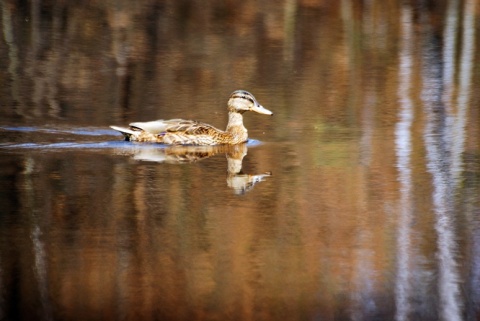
{"points": [[161, 126], [156, 126]]}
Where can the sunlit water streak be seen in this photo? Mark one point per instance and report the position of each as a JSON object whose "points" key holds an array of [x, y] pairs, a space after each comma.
{"points": [[458, 130], [475, 269], [437, 138], [41, 271], [449, 48], [403, 142], [465, 86], [8, 36], [40, 257]]}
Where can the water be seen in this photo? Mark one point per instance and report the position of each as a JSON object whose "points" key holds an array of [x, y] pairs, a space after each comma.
{"points": [[358, 200]]}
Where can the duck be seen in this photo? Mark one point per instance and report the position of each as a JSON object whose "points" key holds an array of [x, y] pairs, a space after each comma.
{"points": [[190, 132]]}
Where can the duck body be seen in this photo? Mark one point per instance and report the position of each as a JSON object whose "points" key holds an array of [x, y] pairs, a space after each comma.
{"points": [[182, 132], [190, 132]]}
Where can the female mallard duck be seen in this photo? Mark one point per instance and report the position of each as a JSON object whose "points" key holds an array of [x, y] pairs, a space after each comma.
{"points": [[189, 132]]}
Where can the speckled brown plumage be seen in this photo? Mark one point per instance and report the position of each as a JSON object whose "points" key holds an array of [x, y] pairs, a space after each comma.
{"points": [[189, 132]]}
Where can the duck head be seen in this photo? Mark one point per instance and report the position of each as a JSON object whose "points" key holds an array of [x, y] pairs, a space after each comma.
{"points": [[241, 101]]}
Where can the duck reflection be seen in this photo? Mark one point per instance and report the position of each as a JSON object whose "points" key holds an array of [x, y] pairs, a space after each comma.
{"points": [[236, 179]]}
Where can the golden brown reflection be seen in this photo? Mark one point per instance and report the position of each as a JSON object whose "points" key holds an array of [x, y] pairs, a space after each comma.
{"points": [[372, 213], [236, 179]]}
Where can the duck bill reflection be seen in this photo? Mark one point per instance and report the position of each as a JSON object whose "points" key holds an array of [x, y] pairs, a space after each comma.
{"points": [[238, 181], [261, 110]]}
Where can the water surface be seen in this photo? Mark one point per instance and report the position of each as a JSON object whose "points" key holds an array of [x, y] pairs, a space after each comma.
{"points": [[358, 200]]}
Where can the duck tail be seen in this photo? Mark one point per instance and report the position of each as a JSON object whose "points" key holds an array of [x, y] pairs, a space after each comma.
{"points": [[127, 132]]}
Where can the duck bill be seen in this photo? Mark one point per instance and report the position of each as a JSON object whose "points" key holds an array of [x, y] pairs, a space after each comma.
{"points": [[261, 110]]}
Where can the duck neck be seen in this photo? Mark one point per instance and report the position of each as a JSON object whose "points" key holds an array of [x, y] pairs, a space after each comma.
{"points": [[235, 121], [235, 127]]}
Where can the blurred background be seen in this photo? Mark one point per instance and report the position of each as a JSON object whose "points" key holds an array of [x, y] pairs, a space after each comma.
{"points": [[357, 200]]}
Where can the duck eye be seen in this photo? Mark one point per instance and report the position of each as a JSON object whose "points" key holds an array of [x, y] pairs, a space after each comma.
{"points": [[247, 98]]}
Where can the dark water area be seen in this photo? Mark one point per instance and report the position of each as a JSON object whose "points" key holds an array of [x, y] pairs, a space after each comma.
{"points": [[357, 200]]}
